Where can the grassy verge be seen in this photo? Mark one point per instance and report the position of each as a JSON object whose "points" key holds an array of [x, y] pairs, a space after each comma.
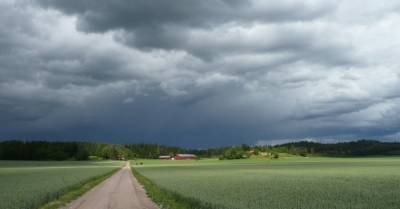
{"points": [[77, 190], [167, 199]]}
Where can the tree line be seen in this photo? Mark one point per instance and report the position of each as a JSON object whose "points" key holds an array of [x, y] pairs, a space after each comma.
{"points": [[305, 148], [41, 150], [353, 148], [45, 150]]}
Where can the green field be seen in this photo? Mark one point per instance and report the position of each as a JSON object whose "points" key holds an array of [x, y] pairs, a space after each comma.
{"points": [[292, 183], [27, 185]]}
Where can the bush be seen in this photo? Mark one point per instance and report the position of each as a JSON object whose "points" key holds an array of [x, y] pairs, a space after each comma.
{"points": [[303, 154], [234, 153]]}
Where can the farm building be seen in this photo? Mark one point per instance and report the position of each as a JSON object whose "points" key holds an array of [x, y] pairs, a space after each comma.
{"points": [[165, 157], [185, 157], [178, 157]]}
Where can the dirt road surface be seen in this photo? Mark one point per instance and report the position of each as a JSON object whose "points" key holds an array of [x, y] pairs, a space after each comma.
{"points": [[120, 191]]}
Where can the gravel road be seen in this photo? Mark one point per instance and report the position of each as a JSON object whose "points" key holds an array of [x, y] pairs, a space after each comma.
{"points": [[120, 191]]}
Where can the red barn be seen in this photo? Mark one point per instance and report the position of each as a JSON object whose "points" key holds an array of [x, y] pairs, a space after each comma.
{"points": [[185, 157]]}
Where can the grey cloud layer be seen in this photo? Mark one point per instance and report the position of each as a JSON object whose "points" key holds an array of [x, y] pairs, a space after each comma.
{"points": [[198, 73], [100, 16], [185, 25]]}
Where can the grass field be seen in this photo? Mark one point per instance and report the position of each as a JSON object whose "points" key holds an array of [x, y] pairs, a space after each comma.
{"points": [[292, 183], [27, 185]]}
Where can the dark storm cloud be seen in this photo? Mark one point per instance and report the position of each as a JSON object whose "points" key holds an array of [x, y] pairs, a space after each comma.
{"points": [[166, 25], [101, 16], [197, 73]]}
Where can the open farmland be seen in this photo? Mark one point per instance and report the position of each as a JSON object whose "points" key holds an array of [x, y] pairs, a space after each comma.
{"points": [[27, 185], [293, 183]]}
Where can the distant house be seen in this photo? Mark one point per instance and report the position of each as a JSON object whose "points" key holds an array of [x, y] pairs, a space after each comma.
{"points": [[185, 157], [120, 157], [165, 157]]}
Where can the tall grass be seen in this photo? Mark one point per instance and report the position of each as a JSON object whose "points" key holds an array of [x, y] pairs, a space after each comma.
{"points": [[28, 185], [168, 199], [307, 183]]}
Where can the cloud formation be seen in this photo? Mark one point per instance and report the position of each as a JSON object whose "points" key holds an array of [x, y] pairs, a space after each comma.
{"points": [[198, 73]]}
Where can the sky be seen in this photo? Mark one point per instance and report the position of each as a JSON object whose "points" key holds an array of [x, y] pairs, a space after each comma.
{"points": [[199, 73]]}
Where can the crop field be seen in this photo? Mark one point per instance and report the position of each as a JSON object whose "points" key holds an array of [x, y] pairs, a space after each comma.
{"points": [[292, 183], [27, 185]]}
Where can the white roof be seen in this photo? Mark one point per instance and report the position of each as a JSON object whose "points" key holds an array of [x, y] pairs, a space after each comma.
{"points": [[186, 155]]}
